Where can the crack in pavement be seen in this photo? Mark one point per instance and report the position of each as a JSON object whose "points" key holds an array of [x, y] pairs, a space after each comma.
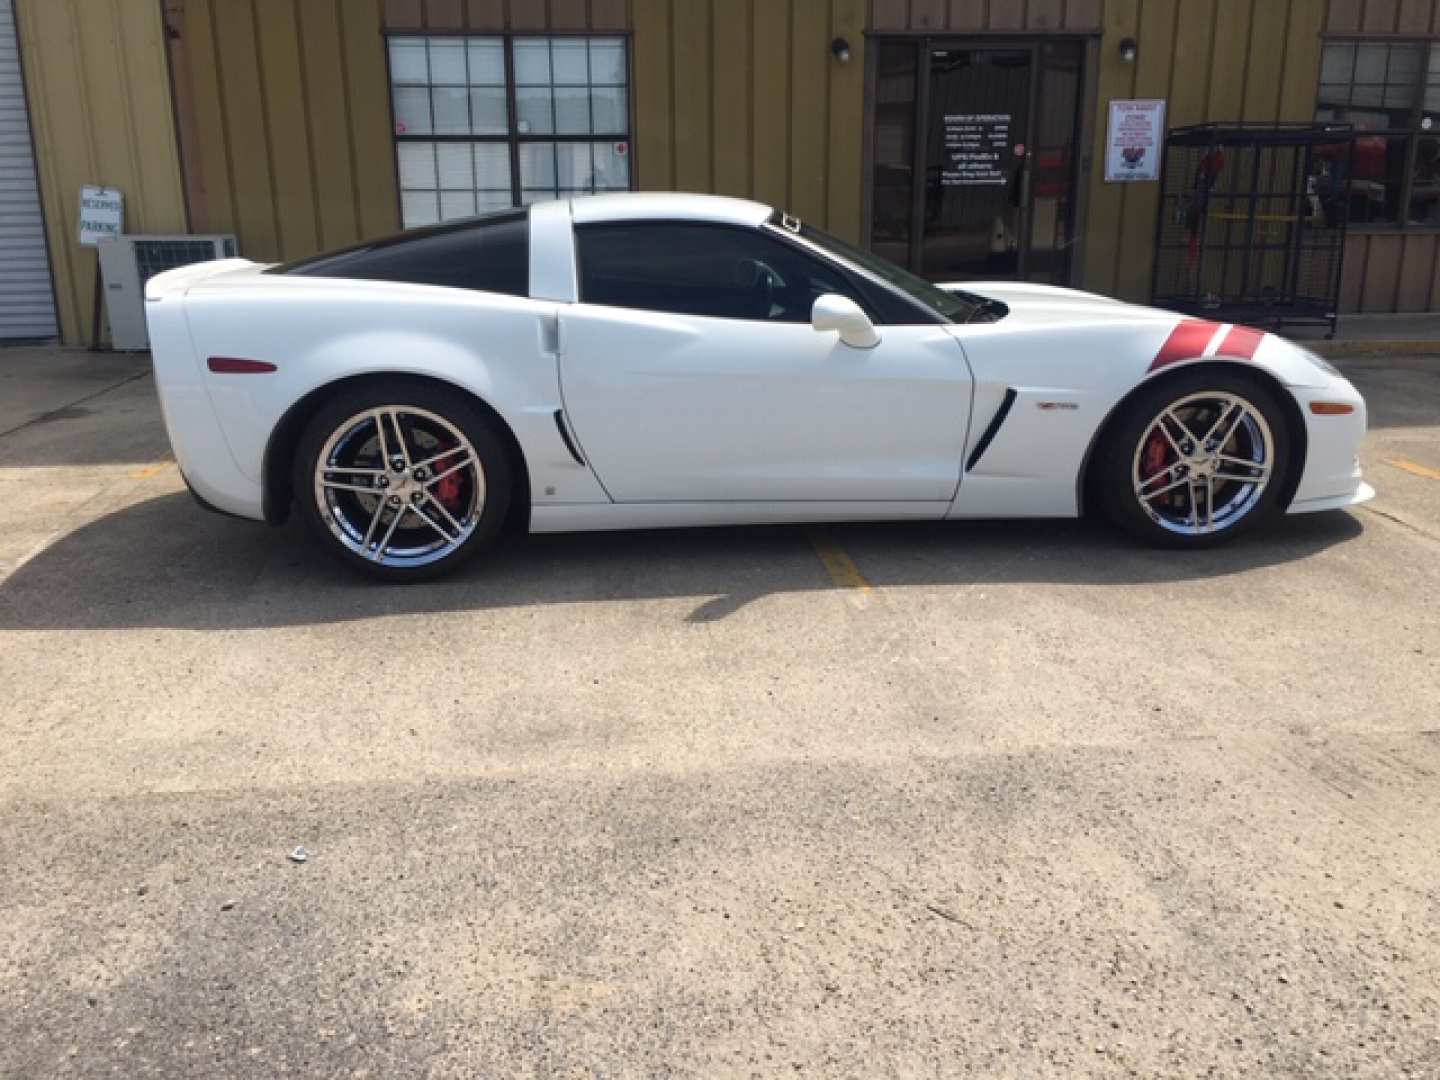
{"points": [[55, 413]]}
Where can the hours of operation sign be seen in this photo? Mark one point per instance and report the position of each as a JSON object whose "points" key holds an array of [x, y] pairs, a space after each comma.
{"points": [[976, 145]]}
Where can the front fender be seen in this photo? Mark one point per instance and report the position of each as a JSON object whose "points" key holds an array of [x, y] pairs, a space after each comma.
{"points": [[1070, 373]]}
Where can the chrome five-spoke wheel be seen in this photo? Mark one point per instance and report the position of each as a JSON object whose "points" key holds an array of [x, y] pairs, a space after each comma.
{"points": [[400, 486], [403, 477], [1195, 458], [1203, 463]]}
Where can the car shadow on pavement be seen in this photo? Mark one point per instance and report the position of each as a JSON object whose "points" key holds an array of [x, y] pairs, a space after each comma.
{"points": [[165, 563]]}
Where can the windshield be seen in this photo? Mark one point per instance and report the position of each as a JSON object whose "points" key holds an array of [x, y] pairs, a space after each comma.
{"points": [[958, 307]]}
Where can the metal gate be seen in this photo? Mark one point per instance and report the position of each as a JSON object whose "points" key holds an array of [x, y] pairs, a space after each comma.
{"points": [[27, 297], [1252, 222]]}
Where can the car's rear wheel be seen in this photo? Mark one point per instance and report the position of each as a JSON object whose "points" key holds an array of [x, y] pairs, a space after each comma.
{"points": [[403, 479], [1196, 460]]}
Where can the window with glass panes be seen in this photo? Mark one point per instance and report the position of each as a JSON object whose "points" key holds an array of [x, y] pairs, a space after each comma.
{"points": [[1389, 91], [484, 123]]}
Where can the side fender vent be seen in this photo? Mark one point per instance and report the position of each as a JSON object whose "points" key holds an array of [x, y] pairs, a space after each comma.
{"points": [[993, 428]]}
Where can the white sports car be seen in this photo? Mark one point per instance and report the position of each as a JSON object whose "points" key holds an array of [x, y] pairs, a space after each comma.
{"points": [[639, 360]]}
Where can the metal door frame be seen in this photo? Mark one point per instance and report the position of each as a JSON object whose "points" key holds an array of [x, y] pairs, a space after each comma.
{"points": [[1081, 128]]}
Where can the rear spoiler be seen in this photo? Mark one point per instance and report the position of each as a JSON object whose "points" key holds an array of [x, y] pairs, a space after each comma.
{"points": [[178, 281]]}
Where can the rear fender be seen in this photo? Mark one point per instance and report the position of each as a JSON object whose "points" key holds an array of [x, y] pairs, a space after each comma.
{"points": [[178, 281], [318, 332]]}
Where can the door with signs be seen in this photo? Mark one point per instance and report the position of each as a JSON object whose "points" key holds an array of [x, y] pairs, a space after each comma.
{"points": [[974, 157]]}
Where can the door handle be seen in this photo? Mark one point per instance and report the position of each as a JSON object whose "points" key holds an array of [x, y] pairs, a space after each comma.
{"points": [[550, 334]]}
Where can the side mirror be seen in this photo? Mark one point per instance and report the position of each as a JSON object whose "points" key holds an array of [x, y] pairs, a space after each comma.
{"points": [[842, 315]]}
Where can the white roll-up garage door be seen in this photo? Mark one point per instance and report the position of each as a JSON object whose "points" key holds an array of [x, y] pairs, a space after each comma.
{"points": [[27, 302]]}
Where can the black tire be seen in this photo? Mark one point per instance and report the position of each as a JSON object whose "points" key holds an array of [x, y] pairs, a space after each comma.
{"points": [[426, 411], [1118, 461]]}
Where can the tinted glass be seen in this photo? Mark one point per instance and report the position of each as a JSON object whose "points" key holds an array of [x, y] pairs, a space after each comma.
{"points": [[980, 115], [959, 307], [1050, 216], [894, 148], [1425, 183], [488, 254], [1372, 85], [718, 271]]}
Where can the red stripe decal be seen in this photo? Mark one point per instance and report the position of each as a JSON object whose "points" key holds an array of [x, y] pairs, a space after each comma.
{"points": [[1241, 343], [234, 365], [1186, 342]]}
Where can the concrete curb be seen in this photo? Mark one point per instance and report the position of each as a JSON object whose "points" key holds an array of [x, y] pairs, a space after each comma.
{"points": [[1342, 348]]}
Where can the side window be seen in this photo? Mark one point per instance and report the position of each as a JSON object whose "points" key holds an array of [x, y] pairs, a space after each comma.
{"points": [[489, 255], [717, 271]]}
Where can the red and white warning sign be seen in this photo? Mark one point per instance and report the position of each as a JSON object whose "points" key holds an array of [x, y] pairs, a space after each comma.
{"points": [[1134, 140]]}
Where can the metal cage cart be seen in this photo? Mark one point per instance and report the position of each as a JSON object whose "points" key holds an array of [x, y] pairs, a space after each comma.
{"points": [[1252, 222]]}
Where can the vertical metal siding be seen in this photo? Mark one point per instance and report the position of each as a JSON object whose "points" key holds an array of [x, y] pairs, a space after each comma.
{"points": [[520, 15], [27, 300], [1213, 61], [1417, 272], [743, 97], [284, 122], [285, 108], [979, 16], [1388, 271], [100, 106]]}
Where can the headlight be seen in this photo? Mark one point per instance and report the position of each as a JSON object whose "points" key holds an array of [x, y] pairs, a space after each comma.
{"points": [[1321, 363]]}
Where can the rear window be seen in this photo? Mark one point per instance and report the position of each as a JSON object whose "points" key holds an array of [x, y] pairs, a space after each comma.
{"points": [[489, 254]]}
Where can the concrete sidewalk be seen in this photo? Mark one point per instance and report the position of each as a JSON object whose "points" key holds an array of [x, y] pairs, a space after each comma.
{"points": [[1373, 335], [79, 434], [39, 380]]}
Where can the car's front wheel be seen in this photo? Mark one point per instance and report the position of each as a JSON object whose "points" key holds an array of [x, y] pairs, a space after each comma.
{"points": [[1197, 459], [402, 479]]}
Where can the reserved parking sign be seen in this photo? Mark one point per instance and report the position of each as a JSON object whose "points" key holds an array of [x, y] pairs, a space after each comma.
{"points": [[102, 213]]}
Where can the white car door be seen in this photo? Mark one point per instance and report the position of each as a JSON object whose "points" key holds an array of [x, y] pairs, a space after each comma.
{"points": [[687, 376]]}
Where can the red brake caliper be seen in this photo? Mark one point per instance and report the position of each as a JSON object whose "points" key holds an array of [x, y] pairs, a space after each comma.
{"points": [[1154, 459], [448, 489]]}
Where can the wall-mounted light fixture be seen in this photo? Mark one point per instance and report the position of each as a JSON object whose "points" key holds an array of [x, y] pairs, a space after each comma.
{"points": [[1128, 49], [841, 48]]}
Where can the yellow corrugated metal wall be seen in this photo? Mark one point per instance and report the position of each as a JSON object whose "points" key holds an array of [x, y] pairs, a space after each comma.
{"points": [[1387, 270], [1219, 60], [735, 97], [1212, 60], [984, 16], [284, 118], [488, 16], [101, 113], [743, 97]]}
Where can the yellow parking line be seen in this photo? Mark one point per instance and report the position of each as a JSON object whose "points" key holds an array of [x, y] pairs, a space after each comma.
{"points": [[841, 568], [150, 470], [1414, 467]]}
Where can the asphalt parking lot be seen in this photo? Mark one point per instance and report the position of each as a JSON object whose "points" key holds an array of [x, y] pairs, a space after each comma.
{"points": [[989, 799]]}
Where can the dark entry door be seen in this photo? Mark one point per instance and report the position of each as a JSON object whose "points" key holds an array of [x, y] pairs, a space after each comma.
{"points": [[976, 146], [974, 157]]}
